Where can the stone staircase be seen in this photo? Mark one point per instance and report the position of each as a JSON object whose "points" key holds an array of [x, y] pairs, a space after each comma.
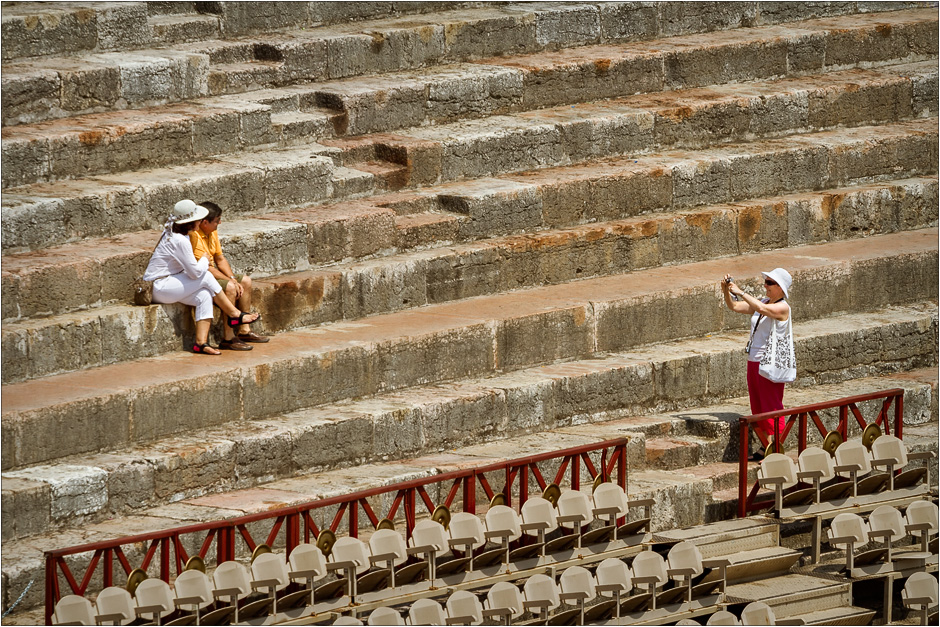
{"points": [[465, 222]]}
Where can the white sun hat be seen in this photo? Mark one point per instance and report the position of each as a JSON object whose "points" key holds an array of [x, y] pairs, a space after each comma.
{"points": [[188, 211], [782, 278]]}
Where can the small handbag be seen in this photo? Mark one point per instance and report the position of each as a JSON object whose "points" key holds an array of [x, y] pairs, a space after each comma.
{"points": [[778, 363], [143, 290]]}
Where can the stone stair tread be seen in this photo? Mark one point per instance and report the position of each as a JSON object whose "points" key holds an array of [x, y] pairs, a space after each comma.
{"points": [[451, 316]]}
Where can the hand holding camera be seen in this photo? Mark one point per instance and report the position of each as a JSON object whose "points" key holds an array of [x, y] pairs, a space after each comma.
{"points": [[731, 287]]}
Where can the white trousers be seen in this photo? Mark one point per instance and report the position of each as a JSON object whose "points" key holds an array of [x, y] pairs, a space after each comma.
{"points": [[179, 288]]}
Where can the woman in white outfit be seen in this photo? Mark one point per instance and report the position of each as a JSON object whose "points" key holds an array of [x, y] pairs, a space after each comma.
{"points": [[178, 278]]}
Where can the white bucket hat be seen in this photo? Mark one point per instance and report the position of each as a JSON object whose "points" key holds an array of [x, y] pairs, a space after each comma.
{"points": [[782, 278], [188, 211]]}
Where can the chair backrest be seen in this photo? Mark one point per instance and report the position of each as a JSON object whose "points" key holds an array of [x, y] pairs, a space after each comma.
{"points": [[467, 525], [922, 585], [349, 549], [116, 600], [270, 566], [541, 588], [890, 447], [849, 525], [74, 609], [389, 541], [815, 458], [758, 613], [538, 509], [650, 564], [614, 571], [157, 592], [686, 555], [194, 583], [232, 574], [778, 465], [723, 617], [573, 502], [347, 620], [578, 579], [611, 495], [463, 603], [505, 595], [887, 518], [923, 512], [853, 452], [307, 557], [385, 616], [426, 612], [503, 518], [429, 533]]}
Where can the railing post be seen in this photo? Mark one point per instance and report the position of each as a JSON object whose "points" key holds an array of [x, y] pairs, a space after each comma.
{"points": [[899, 416], [165, 559], [293, 532], [803, 418], [354, 519], [52, 587], [523, 485], [470, 493], [576, 472]]}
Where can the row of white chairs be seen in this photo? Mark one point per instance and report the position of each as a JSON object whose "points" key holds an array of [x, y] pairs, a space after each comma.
{"points": [[853, 461], [623, 588], [886, 524]]}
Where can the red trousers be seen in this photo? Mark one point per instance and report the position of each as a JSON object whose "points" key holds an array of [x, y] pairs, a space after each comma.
{"points": [[765, 396]]}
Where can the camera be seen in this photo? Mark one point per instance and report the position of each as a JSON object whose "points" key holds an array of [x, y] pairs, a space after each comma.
{"points": [[734, 297]]}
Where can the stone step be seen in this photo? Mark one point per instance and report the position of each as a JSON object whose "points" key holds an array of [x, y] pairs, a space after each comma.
{"points": [[446, 342], [174, 28], [824, 602], [41, 346], [116, 141], [680, 501], [469, 338]]}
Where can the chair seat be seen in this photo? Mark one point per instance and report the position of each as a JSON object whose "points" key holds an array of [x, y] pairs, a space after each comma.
{"points": [[561, 543], [601, 612], [909, 478], [489, 558], [596, 536], [292, 599], [636, 603], [331, 590], [455, 565], [409, 573], [374, 580], [671, 596], [873, 483], [632, 528], [836, 491], [805, 496], [705, 589], [525, 552], [568, 617], [188, 619], [221, 616], [253, 609], [870, 557]]}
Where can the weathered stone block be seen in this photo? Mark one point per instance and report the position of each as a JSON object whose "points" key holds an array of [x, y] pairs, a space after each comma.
{"points": [[561, 333], [753, 175], [25, 160], [495, 34], [89, 86], [265, 247], [122, 25], [461, 414], [50, 290], [495, 207], [237, 188], [470, 92], [375, 105], [886, 99], [26, 506], [377, 287], [702, 180], [762, 225], [301, 300], [156, 409], [48, 30], [777, 12], [323, 439], [629, 21], [65, 347], [30, 96], [206, 464], [699, 236], [239, 18], [566, 26], [451, 276], [715, 61], [697, 17]]}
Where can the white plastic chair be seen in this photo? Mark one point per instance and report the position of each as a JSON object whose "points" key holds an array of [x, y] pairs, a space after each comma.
{"points": [[886, 524], [853, 460], [466, 533], [538, 519], [193, 592], [541, 595], [269, 572], [426, 612], [153, 598], [350, 557], [777, 472], [429, 539], [610, 503], [504, 526], [848, 530], [74, 610], [578, 586], [685, 563], [922, 521], [723, 617], [114, 605], [385, 616], [888, 452], [347, 620], [758, 613], [503, 600], [816, 467], [921, 593], [613, 579], [649, 572], [574, 511], [388, 547], [231, 582], [464, 608], [307, 564]]}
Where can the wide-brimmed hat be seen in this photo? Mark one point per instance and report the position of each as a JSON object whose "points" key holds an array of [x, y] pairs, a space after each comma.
{"points": [[782, 278], [188, 211]]}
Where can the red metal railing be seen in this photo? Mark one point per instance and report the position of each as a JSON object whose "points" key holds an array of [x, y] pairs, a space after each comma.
{"points": [[297, 522], [802, 417]]}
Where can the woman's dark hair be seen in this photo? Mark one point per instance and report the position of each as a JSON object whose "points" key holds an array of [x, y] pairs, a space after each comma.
{"points": [[184, 229]]}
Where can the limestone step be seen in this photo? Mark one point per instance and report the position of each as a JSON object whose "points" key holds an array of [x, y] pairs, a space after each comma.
{"points": [[681, 501], [42, 346], [167, 29], [116, 141], [822, 602]]}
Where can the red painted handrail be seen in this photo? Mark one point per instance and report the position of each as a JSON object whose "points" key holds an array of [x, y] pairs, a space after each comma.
{"points": [[801, 416], [296, 521]]}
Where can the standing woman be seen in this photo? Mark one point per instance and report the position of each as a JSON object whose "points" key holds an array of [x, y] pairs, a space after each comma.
{"points": [[770, 360], [179, 278]]}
